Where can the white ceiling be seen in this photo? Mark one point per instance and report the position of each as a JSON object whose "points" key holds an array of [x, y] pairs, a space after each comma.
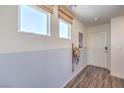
{"points": [[87, 13]]}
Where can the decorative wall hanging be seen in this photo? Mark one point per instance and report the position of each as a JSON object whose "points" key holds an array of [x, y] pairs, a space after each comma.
{"points": [[80, 40], [75, 56]]}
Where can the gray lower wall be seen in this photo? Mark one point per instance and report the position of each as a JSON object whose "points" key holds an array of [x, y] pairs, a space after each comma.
{"points": [[47, 68]]}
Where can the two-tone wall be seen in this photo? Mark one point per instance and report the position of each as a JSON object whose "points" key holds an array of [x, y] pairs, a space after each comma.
{"points": [[28, 60]]}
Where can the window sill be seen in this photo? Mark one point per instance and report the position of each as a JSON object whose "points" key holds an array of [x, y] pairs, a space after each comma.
{"points": [[64, 38], [36, 34]]}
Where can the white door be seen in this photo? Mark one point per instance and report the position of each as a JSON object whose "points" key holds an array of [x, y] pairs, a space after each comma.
{"points": [[98, 49]]}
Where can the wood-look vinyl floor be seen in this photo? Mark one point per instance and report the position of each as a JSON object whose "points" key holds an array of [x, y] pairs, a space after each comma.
{"points": [[95, 77]]}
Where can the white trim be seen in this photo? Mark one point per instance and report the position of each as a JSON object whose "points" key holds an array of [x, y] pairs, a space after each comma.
{"points": [[33, 33], [69, 29], [74, 75], [117, 76], [49, 24], [108, 45]]}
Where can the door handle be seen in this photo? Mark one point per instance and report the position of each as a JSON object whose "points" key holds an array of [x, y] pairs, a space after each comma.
{"points": [[106, 49]]}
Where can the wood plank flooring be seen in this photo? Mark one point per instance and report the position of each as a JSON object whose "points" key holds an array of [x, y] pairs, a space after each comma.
{"points": [[95, 77]]}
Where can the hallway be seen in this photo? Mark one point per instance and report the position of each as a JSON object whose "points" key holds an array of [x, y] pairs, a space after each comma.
{"points": [[95, 77]]}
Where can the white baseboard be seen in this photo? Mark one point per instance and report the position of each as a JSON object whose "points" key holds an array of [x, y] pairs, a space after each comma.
{"points": [[73, 77], [117, 76]]}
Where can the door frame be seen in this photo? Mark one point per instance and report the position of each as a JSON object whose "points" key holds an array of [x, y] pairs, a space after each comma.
{"points": [[108, 43]]}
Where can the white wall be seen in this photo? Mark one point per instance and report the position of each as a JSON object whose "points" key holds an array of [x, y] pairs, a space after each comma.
{"points": [[76, 28], [117, 47], [52, 71], [16, 42], [98, 28]]}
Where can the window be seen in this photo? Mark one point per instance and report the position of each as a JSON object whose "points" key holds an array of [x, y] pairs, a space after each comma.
{"points": [[34, 20], [64, 29]]}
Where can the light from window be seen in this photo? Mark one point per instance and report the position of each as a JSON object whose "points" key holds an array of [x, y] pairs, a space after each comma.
{"points": [[34, 20], [64, 29]]}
